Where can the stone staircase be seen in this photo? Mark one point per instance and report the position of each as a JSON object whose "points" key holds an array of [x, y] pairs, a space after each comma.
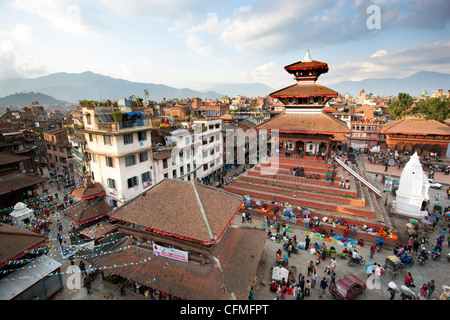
{"points": [[356, 205]]}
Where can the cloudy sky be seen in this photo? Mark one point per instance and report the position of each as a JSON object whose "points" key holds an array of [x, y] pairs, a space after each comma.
{"points": [[198, 43]]}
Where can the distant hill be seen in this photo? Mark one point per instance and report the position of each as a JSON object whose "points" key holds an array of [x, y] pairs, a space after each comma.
{"points": [[27, 98], [414, 84], [73, 87]]}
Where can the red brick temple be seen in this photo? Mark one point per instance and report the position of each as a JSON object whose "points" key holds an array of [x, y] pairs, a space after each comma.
{"points": [[304, 126]]}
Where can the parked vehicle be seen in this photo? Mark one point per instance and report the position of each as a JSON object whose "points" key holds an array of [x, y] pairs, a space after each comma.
{"points": [[352, 261], [434, 184], [348, 287]]}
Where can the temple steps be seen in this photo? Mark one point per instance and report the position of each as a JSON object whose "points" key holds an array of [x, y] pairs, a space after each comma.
{"points": [[358, 204]]}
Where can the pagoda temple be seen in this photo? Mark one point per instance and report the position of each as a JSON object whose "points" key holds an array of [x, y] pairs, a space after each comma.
{"points": [[304, 126]]}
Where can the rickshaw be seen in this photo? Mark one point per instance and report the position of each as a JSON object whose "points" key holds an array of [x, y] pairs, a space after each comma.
{"points": [[394, 265]]}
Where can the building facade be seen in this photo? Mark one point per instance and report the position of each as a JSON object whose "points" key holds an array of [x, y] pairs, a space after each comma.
{"points": [[119, 149], [190, 154], [59, 151]]}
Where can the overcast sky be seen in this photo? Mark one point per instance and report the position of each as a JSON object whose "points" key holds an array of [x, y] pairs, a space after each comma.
{"points": [[197, 43]]}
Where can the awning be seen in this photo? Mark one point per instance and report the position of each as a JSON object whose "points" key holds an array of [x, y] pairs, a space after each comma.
{"points": [[19, 281]]}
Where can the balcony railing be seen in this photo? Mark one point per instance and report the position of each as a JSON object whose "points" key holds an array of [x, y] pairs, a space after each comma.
{"points": [[123, 125]]}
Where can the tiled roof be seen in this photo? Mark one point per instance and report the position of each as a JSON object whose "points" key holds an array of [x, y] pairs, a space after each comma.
{"points": [[98, 230], [306, 65], [85, 211], [304, 90], [14, 241], [6, 158], [164, 154], [306, 123], [171, 207], [416, 127], [89, 190], [16, 181], [239, 253]]}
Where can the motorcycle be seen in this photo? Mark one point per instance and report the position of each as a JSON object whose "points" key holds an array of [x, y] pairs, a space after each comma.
{"points": [[436, 254], [406, 260], [294, 249], [423, 257], [352, 261]]}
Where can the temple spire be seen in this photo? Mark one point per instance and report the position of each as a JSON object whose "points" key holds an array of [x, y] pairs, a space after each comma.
{"points": [[307, 57]]}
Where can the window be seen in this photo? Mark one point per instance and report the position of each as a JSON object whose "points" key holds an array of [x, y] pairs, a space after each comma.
{"points": [[128, 138], [143, 156], [91, 137], [88, 118], [174, 174], [109, 162], [146, 179], [107, 140], [113, 203], [164, 163], [132, 182], [111, 183], [130, 160], [186, 140], [142, 136], [188, 167], [181, 170], [166, 175]]}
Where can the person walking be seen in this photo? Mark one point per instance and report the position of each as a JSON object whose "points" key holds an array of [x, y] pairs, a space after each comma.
{"points": [[83, 268], [372, 251], [431, 286], [392, 291], [332, 279], [311, 268], [416, 245], [59, 237], [251, 295], [307, 241], [323, 286], [408, 280], [302, 284], [243, 217], [410, 244], [314, 279], [307, 288], [87, 284]]}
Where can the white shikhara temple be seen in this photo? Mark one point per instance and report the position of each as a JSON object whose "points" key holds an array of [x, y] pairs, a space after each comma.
{"points": [[412, 191]]}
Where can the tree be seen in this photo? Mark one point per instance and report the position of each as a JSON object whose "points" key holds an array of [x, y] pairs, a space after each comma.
{"points": [[433, 109], [398, 108]]}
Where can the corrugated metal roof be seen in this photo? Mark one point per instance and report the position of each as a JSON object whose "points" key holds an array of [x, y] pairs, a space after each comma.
{"points": [[17, 282]]}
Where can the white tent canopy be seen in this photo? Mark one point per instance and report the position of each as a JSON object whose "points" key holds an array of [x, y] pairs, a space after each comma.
{"points": [[280, 273]]}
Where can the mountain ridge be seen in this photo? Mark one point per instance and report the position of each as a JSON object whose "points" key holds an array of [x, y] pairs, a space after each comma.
{"points": [[73, 87]]}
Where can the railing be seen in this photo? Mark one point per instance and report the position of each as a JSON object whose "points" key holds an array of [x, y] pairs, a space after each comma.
{"points": [[357, 176]]}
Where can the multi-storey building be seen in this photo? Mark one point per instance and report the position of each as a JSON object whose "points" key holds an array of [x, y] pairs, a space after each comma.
{"points": [[119, 150], [192, 153], [59, 151]]}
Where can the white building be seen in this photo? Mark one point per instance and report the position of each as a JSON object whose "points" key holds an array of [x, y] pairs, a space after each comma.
{"points": [[119, 152], [190, 153]]}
